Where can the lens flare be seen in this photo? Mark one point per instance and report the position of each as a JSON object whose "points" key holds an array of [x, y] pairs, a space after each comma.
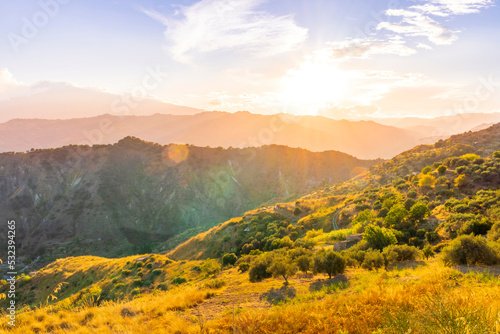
{"points": [[175, 154]]}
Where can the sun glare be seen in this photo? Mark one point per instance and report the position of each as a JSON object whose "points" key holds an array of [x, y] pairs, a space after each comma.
{"points": [[313, 85]]}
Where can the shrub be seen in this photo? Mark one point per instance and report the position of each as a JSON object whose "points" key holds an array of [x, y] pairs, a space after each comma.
{"points": [[494, 233], [476, 226], [243, 267], [297, 211], [215, 283], [210, 267], [428, 251], [427, 170], [136, 291], [329, 262], [178, 280], [139, 264], [441, 170], [379, 238], [138, 282], [461, 181], [401, 253], [427, 181], [229, 259], [149, 265], [419, 211], [468, 249], [125, 272], [157, 272], [373, 260], [114, 280]]}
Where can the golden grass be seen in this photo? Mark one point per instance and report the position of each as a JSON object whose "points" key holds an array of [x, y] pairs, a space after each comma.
{"points": [[424, 297]]}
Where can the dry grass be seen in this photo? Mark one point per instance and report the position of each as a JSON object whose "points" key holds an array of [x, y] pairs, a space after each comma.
{"points": [[421, 298]]}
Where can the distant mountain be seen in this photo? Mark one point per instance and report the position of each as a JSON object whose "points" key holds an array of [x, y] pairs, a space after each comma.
{"points": [[118, 199], [63, 101], [440, 127], [363, 139]]}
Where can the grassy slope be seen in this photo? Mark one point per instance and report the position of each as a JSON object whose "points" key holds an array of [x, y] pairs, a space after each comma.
{"points": [[423, 296]]}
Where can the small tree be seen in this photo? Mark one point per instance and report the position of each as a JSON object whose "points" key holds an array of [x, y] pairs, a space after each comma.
{"points": [[304, 263], [419, 211], [428, 252], [468, 249], [378, 238], [284, 267], [396, 215], [329, 262], [374, 260]]}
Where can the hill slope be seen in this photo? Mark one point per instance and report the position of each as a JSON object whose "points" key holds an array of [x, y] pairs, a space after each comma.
{"points": [[115, 199]]}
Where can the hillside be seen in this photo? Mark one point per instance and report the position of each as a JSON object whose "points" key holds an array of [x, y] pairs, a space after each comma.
{"points": [[471, 176], [243, 275], [123, 198], [363, 139]]}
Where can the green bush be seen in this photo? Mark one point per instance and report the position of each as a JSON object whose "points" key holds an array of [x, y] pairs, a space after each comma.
{"points": [[373, 260], [178, 280], [149, 265], [243, 267], [469, 250], [379, 238], [229, 259], [125, 272], [157, 272], [401, 253], [136, 291], [139, 264], [137, 282]]}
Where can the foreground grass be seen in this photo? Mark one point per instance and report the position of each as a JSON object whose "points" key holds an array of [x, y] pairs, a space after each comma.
{"points": [[421, 298]]}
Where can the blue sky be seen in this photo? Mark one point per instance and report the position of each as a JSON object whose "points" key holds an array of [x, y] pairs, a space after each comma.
{"points": [[350, 59]]}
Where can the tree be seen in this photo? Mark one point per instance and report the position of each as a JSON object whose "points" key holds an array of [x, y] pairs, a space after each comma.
{"points": [[426, 181], [304, 263], [329, 262], [428, 251], [378, 238], [284, 267], [441, 170], [419, 211], [259, 268], [229, 259], [396, 215]]}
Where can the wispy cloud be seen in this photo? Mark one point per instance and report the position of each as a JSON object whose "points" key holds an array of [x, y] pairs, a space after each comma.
{"points": [[415, 24], [365, 47], [416, 20], [236, 25]]}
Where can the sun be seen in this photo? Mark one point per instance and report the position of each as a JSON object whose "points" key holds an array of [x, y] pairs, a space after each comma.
{"points": [[312, 85]]}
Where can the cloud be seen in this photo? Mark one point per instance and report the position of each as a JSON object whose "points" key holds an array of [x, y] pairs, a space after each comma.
{"points": [[235, 25], [9, 86], [461, 7], [415, 24], [364, 47], [424, 46]]}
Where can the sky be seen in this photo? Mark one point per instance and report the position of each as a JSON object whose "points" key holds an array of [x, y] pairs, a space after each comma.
{"points": [[343, 59]]}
